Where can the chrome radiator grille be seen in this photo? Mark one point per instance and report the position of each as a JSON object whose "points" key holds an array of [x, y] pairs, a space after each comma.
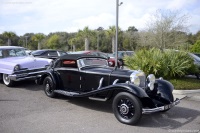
{"points": [[142, 81]]}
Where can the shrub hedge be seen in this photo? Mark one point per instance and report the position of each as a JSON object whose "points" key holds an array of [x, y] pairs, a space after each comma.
{"points": [[168, 63]]}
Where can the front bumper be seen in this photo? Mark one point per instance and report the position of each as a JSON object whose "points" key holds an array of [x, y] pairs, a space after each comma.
{"points": [[162, 108], [26, 75]]}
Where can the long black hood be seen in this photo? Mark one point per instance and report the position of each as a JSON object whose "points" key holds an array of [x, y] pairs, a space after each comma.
{"points": [[99, 70], [120, 74]]}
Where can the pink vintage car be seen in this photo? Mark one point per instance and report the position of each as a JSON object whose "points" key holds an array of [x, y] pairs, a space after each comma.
{"points": [[16, 65]]}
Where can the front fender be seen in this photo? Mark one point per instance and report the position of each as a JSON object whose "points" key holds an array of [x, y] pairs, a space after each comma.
{"points": [[137, 91], [165, 88]]}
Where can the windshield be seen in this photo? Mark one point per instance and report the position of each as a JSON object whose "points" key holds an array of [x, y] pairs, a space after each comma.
{"points": [[92, 62], [12, 53], [61, 53], [38, 52]]}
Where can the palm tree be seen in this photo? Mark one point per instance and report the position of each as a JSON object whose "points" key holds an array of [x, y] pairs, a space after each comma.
{"points": [[111, 33], [9, 35], [38, 38], [98, 36], [72, 42], [85, 33]]}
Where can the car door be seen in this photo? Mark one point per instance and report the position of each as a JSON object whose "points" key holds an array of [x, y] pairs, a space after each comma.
{"points": [[52, 54], [69, 75], [94, 78]]}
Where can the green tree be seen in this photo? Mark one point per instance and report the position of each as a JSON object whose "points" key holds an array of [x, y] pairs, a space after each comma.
{"points": [[72, 42], [38, 38], [9, 36], [111, 33], [130, 38], [86, 33], [196, 47], [1, 42], [53, 42]]}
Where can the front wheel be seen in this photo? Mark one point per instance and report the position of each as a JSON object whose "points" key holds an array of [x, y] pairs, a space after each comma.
{"points": [[127, 108], [7, 81], [49, 87]]}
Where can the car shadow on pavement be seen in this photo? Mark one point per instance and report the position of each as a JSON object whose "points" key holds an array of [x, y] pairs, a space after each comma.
{"points": [[172, 119], [28, 85], [92, 104]]}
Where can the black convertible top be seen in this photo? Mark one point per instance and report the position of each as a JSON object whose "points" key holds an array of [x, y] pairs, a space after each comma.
{"points": [[78, 56]]}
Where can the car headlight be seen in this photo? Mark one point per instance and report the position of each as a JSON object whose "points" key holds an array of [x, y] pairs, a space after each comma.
{"points": [[16, 68], [151, 79], [135, 80]]}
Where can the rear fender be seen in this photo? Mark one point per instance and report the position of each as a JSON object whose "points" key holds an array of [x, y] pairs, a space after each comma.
{"points": [[41, 79]]}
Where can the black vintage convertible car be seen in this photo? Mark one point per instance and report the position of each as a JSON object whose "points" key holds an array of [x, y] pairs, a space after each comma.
{"points": [[133, 93]]}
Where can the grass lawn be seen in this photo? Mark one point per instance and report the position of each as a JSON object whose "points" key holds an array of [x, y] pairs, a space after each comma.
{"points": [[186, 83]]}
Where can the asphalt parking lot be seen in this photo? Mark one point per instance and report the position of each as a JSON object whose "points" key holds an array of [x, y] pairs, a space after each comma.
{"points": [[26, 109]]}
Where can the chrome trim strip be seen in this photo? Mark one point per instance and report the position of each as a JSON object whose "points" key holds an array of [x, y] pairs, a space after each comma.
{"points": [[100, 83], [116, 80], [162, 108], [66, 93], [24, 76], [98, 99], [14, 78]]}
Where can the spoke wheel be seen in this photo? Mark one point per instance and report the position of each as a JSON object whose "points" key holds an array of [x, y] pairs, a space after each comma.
{"points": [[49, 87], [7, 81], [127, 108]]}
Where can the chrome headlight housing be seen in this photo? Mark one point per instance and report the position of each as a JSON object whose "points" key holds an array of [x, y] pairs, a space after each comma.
{"points": [[16, 68], [135, 80], [151, 79]]}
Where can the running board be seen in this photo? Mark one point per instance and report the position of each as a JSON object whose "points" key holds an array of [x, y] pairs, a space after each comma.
{"points": [[98, 99], [66, 93]]}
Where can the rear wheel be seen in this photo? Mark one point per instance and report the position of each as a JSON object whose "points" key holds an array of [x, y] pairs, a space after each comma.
{"points": [[127, 108], [49, 87], [7, 81]]}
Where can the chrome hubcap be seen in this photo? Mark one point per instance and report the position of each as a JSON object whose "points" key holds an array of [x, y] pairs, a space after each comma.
{"points": [[6, 79], [124, 109]]}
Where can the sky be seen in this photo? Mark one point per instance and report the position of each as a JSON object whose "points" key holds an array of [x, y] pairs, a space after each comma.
{"points": [[46, 16]]}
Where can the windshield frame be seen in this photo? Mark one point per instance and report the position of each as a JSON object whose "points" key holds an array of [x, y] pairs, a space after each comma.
{"points": [[81, 64]]}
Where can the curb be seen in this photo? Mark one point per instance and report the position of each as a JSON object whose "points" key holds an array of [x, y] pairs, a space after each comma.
{"points": [[189, 94], [186, 91]]}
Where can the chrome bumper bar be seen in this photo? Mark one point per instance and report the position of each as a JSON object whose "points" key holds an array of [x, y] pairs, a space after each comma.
{"points": [[19, 77], [162, 108]]}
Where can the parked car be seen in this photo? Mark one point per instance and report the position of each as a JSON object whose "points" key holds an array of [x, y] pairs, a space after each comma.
{"points": [[28, 52], [197, 54], [48, 53], [122, 54], [133, 93], [16, 65], [111, 60], [196, 62]]}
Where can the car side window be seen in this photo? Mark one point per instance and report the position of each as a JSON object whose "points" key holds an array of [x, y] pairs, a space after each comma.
{"points": [[12, 53], [52, 53], [69, 63]]}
